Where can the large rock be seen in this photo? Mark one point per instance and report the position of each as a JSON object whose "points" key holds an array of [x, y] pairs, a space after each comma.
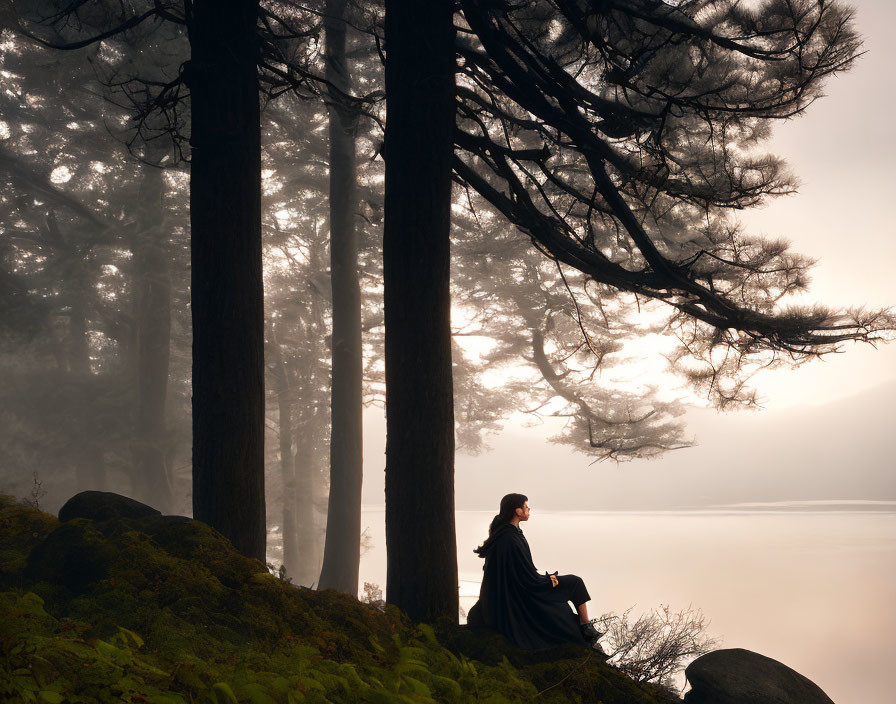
{"points": [[103, 506], [474, 616], [737, 676], [74, 555]]}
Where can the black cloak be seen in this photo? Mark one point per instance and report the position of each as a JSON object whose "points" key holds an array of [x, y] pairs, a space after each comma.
{"points": [[516, 600]]}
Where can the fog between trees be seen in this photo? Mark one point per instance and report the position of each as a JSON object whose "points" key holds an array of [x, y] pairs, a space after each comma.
{"points": [[582, 161]]}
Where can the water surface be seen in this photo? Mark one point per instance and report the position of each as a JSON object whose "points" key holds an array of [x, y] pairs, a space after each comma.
{"points": [[810, 585]]}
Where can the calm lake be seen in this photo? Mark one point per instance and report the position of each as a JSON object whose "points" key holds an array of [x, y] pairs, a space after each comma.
{"points": [[812, 585]]}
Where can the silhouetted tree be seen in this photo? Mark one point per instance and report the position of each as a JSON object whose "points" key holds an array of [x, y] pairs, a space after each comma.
{"points": [[620, 135], [342, 548], [226, 283], [421, 572], [617, 135]]}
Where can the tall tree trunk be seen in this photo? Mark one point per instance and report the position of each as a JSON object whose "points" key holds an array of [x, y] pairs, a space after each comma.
{"points": [[90, 470], [342, 549], [292, 558], [421, 573], [153, 325], [306, 526], [226, 277]]}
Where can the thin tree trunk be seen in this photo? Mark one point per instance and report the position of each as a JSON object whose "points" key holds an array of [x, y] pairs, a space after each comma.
{"points": [[90, 470], [421, 574], [311, 435], [226, 276], [292, 557], [342, 549], [306, 528], [153, 324]]}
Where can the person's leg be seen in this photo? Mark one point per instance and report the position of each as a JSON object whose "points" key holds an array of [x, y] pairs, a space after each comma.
{"points": [[574, 587], [574, 590]]}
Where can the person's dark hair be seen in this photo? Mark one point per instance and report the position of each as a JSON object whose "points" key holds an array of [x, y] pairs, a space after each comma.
{"points": [[509, 504]]}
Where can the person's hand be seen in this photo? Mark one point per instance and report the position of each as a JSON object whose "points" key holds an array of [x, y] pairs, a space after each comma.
{"points": [[554, 581]]}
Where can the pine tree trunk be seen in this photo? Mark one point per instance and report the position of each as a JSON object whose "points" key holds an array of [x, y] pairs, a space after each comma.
{"points": [[88, 460], [342, 549], [306, 525], [421, 574], [292, 558], [226, 276], [153, 323]]}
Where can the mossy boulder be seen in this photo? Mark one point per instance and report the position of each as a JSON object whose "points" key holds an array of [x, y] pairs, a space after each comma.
{"points": [[163, 610], [102, 506], [74, 556]]}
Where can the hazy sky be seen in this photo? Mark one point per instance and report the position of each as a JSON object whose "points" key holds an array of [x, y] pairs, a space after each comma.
{"points": [[842, 151]]}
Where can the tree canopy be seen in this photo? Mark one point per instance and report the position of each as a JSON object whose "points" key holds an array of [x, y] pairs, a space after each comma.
{"points": [[621, 136]]}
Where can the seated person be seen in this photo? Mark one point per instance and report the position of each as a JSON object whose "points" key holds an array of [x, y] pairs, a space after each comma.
{"points": [[529, 608]]}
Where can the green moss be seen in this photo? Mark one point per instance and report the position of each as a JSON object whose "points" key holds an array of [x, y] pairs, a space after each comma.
{"points": [[21, 529], [164, 610]]}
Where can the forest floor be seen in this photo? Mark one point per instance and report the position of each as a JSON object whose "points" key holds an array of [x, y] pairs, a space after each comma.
{"points": [[162, 610]]}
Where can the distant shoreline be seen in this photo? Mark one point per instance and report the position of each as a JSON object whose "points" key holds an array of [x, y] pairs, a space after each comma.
{"points": [[843, 506]]}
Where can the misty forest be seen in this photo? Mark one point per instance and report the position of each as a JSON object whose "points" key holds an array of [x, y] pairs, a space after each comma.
{"points": [[228, 228]]}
